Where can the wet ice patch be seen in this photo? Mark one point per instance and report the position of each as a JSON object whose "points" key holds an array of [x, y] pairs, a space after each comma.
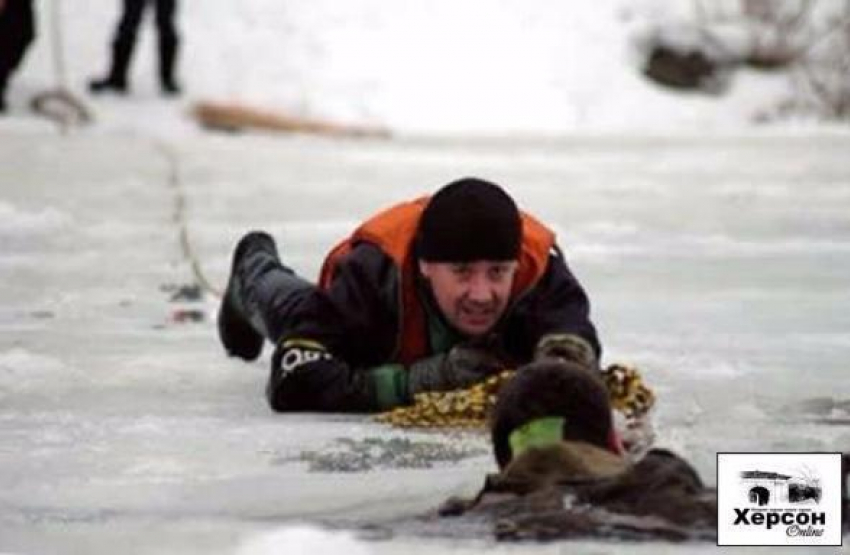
{"points": [[606, 243], [604, 252], [17, 365], [22, 370], [723, 369], [822, 410], [725, 245], [303, 540], [17, 222], [664, 364], [603, 229], [375, 453]]}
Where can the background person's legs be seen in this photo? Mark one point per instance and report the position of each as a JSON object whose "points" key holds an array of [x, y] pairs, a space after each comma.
{"points": [[122, 49], [169, 43], [17, 31]]}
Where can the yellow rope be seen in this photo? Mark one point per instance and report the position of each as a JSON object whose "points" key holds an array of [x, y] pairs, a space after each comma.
{"points": [[180, 218], [469, 408], [461, 408], [628, 391]]}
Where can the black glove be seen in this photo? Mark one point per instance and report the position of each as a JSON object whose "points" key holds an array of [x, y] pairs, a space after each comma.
{"points": [[306, 377], [568, 347], [461, 367]]}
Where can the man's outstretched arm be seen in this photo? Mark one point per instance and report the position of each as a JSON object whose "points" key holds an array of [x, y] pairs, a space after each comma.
{"points": [[307, 377]]}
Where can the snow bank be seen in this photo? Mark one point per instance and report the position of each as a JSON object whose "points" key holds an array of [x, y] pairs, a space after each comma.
{"points": [[437, 67], [443, 66]]}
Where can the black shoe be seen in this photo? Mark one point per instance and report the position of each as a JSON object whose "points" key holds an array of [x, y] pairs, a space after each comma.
{"points": [[108, 84], [170, 88], [235, 331]]}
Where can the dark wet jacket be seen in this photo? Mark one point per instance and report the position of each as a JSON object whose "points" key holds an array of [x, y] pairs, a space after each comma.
{"points": [[659, 498]]}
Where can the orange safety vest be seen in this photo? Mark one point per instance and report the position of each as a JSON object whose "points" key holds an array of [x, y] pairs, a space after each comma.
{"points": [[394, 230]]}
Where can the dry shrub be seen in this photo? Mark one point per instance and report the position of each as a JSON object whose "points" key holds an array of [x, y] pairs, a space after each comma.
{"points": [[808, 38]]}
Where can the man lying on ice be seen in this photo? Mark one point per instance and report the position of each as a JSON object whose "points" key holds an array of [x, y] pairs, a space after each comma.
{"points": [[439, 294], [429, 295]]}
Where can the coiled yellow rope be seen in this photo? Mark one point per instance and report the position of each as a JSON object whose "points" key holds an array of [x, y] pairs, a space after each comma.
{"points": [[469, 408]]}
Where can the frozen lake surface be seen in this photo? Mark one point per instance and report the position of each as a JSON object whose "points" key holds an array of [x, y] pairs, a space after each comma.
{"points": [[717, 264]]}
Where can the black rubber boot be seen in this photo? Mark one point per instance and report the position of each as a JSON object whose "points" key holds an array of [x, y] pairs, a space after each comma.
{"points": [[170, 88], [116, 79], [108, 84], [167, 60], [2, 89], [238, 335]]}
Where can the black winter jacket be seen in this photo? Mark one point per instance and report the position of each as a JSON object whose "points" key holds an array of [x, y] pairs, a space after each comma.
{"points": [[357, 321]]}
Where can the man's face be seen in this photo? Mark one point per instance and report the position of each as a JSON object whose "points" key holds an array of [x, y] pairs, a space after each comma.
{"points": [[471, 295]]}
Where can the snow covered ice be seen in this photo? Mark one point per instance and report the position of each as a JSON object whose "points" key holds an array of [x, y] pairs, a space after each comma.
{"points": [[716, 256]]}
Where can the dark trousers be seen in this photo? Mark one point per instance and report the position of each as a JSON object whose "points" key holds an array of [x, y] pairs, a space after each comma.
{"points": [[270, 293], [17, 31], [127, 30]]}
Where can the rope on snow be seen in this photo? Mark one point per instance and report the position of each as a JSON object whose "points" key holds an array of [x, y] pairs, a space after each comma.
{"points": [[59, 104], [179, 217]]}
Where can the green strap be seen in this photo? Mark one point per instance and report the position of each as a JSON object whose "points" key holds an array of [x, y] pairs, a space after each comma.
{"points": [[537, 433], [389, 386]]}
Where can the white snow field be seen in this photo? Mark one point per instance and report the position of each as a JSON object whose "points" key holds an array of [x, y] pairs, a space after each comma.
{"points": [[716, 255]]}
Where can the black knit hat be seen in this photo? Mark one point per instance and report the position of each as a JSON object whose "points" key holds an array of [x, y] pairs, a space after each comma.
{"points": [[469, 219]]}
